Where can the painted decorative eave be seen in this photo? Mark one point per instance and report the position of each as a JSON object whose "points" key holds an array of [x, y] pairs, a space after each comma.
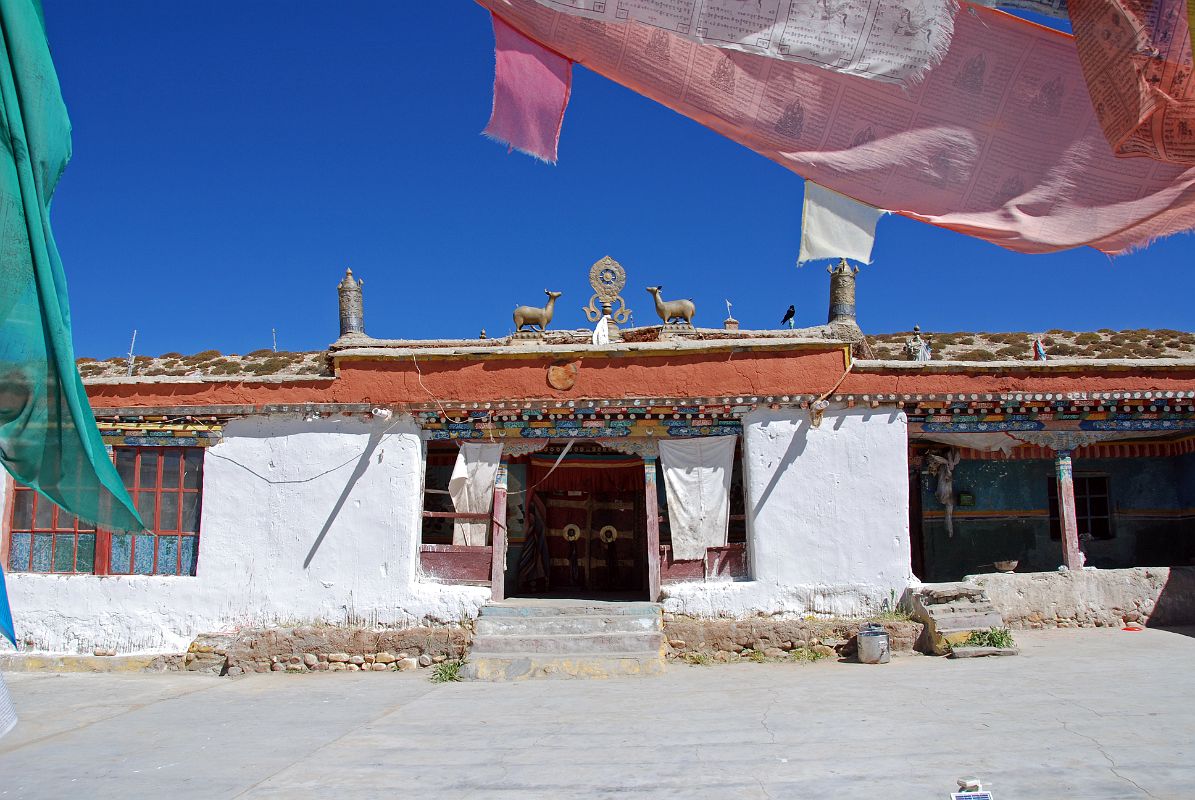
{"points": [[212, 379], [1054, 365]]}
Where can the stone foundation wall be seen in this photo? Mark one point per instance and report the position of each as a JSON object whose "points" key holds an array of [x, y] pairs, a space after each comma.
{"points": [[318, 648], [727, 640], [1158, 596]]}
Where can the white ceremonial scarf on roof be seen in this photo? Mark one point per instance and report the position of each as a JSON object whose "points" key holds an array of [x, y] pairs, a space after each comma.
{"points": [[697, 480], [471, 488], [601, 332], [835, 226]]}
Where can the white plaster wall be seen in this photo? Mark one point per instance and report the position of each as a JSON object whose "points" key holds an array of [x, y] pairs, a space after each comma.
{"points": [[827, 516], [302, 522]]}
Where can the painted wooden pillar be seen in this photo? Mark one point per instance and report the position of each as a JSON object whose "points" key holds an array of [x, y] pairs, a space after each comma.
{"points": [[1068, 521], [651, 507], [498, 536]]}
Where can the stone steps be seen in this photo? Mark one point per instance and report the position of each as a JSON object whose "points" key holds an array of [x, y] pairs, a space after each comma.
{"points": [[951, 612], [520, 640], [570, 643], [564, 624], [539, 666]]}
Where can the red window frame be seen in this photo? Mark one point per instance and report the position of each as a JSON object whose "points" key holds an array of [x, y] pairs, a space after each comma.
{"points": [[166, 485]]}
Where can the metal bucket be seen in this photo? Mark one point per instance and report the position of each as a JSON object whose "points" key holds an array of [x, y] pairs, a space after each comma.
{"points": [[875, 646]]}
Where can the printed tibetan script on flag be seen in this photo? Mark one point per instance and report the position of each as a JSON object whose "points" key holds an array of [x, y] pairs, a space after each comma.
{"points": [[879, 39], [999, 142]]}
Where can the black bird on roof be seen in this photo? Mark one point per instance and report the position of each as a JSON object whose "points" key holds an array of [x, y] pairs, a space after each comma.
{"points": [[788, 316]]}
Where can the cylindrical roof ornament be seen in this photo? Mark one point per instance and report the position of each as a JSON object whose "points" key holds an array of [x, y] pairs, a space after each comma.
{"points": [[842, 293], [352, 308]]}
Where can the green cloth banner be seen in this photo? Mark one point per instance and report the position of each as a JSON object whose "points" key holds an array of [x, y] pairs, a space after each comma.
{"points": [[48, 436]]}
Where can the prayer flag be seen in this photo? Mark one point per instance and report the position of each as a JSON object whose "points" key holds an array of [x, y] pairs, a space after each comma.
{"points": [[48, 436], [531, 89], [889, 42], [1000, 142], [835, 226], [1136, 60], [7, 630]]}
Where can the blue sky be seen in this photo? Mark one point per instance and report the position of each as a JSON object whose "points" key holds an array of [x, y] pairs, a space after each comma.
{"points": [[231, 159]]}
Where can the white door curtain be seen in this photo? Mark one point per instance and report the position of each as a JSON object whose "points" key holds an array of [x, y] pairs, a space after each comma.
{"points": [[471, 488], [697, 480]]}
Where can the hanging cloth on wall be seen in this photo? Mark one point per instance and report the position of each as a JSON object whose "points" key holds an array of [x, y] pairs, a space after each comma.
{"points": [[944, 467], [697, 482], [534, 560], [835, 226], [531, 89], [471, 488], [48, 436], [1000, 144]]}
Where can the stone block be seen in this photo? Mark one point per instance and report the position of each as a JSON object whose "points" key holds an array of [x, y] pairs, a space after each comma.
{"points": [[407, 664]]}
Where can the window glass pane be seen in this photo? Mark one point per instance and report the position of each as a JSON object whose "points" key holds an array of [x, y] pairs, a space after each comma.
{"points": [[22, 510], [167, 555], [84, 525], [149, 468], [168, 512], [143, 554], [1098, 506], [43, 546], [126, 463], [64, 552], [1100, 529], [190, 512], [171, 464], [66, 521], [146, 504], [122, 553], [187, 545], [18, 555], [43, 516], [85, 555], [192, 467]]}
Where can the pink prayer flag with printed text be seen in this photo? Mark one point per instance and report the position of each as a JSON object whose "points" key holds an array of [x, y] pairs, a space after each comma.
{"points": [[1000, 141], [531, 89]]}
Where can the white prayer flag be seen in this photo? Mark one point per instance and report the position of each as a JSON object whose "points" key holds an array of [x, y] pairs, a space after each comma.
{"points": [[835, 226], [472, 489], [697, 480]]}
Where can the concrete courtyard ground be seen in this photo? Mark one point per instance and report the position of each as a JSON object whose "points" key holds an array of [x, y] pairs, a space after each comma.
{"points": [[1085, 714]]}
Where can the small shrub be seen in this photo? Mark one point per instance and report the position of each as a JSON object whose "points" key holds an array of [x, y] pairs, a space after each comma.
{"points": [[977, 354], [206, 355], [993, 637], [269, 366], [1088, 338], [698, 659], [757, 656], [1012, 351], [265, 352], [171, 354], [806, 654], [447, 671]]}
